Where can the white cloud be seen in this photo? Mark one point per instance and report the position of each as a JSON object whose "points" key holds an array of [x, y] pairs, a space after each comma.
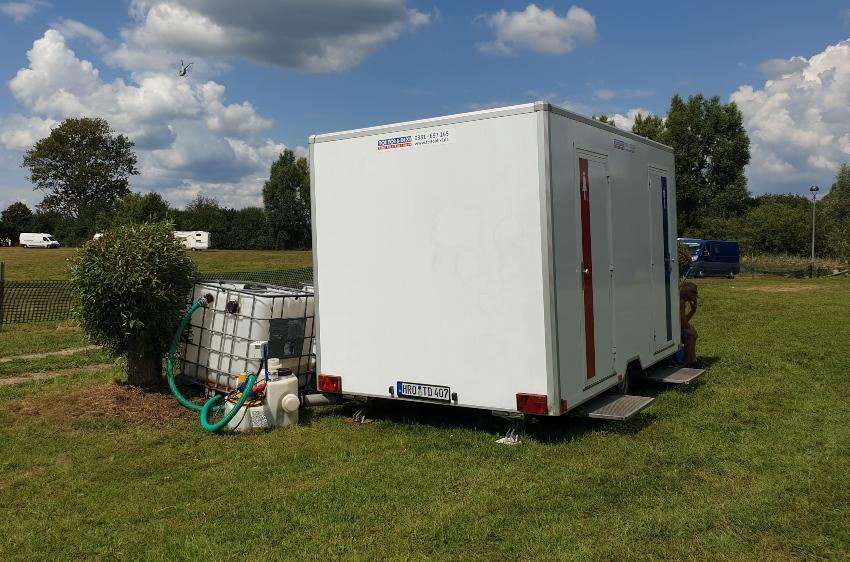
{"points": [[626, 121], [19, 11], [777, 68], [541, 31], [73, 29], [305, 35], [798, 122], [186, 134]]}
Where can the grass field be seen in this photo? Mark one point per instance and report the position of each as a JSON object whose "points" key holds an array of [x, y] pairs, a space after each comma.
{"points": [[750, 464], [41, 264]]}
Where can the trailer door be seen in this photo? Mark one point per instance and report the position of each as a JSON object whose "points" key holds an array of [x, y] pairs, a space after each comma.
{"points": [[661, 264], [596, 268]]}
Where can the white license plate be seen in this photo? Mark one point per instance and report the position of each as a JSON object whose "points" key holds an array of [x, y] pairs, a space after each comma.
{"points": [[425, 391]]}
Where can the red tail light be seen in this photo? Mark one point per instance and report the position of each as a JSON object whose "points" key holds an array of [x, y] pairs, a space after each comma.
{"points": [[532, 403], [330, 383]]}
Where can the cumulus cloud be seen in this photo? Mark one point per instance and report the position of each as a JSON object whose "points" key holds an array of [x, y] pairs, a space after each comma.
{"points": [[304, 35], [777, 68], [186, 134], [626, 121], [541, 31], [19, 11], [798, 122]]}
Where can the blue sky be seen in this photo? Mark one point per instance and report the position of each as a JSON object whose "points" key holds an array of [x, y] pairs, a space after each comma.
{"points": [[269, 73]]}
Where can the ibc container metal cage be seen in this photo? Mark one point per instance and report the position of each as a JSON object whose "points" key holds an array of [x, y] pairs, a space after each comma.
{"points": [[224, 338]]}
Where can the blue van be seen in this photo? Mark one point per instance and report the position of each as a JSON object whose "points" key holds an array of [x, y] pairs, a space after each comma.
{"points": [[718, 258]]}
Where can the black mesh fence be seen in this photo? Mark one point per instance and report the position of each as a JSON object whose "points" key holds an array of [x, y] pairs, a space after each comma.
{"points": [[38, 301]]}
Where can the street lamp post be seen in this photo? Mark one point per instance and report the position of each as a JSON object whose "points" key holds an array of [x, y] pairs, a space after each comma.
{"points": [[814, 191]]}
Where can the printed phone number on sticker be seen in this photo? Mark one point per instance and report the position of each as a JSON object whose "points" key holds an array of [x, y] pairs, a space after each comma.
{"points": [[416, 139]]}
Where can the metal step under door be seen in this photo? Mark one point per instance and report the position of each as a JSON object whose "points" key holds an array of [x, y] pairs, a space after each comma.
{"points": [[673, 375], [613, 406]]}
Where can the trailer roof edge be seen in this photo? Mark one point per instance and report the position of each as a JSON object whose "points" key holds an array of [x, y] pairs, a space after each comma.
{"points": [[482, 114]]}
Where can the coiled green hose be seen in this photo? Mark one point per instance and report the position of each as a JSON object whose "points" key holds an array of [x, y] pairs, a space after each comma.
{"points": [[205, 410], [212, 404], [169, 359]]}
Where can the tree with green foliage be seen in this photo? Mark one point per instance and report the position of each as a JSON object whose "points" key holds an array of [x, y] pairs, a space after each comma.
{"points": [[135, 208], [836, 215], [131, 287], [286, 199], [649, 126], [81, 165], [711, 148], [16, 218], [604, 119], [777, 224]]}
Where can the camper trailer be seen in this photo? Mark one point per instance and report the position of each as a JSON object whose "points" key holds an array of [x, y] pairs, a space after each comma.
{"points": [[519, 260], [37, 240], [193, 239]]}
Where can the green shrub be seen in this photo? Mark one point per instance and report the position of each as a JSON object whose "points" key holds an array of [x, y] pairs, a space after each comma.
{"points": [[132, 285], [684, 257]]}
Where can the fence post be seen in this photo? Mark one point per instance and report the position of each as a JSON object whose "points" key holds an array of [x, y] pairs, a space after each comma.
{"points": [[2, 292]]}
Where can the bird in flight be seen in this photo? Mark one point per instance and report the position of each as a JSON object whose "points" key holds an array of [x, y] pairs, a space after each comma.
{"points": [[184, 68]]}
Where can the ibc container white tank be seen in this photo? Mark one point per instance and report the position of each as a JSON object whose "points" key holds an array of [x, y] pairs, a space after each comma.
{"points": [[224, 337]]}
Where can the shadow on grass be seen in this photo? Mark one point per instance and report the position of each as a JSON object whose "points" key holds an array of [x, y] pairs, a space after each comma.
{"points": [[544, 429]]}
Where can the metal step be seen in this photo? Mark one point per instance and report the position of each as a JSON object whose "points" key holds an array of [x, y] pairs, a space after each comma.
{"points": [[673, 375], [613, 406]]}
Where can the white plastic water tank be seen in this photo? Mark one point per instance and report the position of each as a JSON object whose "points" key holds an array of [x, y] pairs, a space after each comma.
{"points": [[224, 336]]}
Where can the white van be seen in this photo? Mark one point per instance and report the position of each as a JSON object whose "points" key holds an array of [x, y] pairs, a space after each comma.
{"points": [[193, 239], [38, 240]]}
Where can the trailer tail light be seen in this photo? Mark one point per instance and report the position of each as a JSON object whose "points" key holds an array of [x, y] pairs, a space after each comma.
{"points": [[532, 403], [330, 383]]}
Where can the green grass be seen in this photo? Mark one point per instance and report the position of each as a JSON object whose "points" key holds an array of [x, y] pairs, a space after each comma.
{"points": [[23, 339], [750, 464], [53, 363], [23, 264]]}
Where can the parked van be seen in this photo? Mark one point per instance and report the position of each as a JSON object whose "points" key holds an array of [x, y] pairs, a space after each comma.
{"points": [[718, 258], [37, 240], [193, 239]]}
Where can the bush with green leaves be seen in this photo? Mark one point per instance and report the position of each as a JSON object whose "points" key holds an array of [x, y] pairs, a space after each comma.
{"points": [[132, 286], [684, 257]]}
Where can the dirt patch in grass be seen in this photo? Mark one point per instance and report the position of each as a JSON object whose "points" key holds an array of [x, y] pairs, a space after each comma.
{"points": [[59, 353], [45, 375], [112, 400]]}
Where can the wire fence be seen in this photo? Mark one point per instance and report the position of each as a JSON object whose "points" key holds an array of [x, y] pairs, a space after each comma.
{"points": [[39, 301]]}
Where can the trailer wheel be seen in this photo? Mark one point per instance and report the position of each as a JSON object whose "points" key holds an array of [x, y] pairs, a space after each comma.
{"points": [[630, 379]]}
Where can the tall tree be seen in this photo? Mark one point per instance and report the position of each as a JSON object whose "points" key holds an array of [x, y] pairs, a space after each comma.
{"points": [[15, 219], [136, 208], [286, 198], [81, 165], [604, 119], [836, 213], [649, 126], [712, 148]]}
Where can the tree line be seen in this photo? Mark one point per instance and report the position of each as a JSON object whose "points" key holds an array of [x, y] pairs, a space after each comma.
{"points": [[84, 168], [712, 149]]}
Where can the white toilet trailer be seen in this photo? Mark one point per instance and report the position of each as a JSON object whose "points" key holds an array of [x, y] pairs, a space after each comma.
{"points": [[518, 259]]}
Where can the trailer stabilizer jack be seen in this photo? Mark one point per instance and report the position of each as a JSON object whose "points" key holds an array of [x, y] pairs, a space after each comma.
{"points": [[514, 433]]}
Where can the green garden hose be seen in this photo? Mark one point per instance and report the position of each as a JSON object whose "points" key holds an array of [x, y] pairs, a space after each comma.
{"points": [[233, 411], [169, 359], [211, 404]]}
